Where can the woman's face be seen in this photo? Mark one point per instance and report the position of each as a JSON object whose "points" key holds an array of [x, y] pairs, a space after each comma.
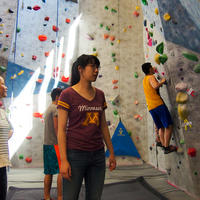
{"points": [[3, 88], [90, 72]]}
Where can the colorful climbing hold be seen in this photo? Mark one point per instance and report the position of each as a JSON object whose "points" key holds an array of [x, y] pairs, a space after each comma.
{"points": [[106, 7], [115, 112], [181, 97], [21, 72], [37, 115], [145, 2], [182, 111], [18, 30], [191, 152], [166, 17], [113, 54], [36, 7], [197, 68], [46, 18], [113, 10], [28, 160], [160, 48], [42, 38], [10, 10], [156, 11], [34, 57], [64, 79], [190, 56], [28, 137], [136, 75], [114, 81], [112, 38], [163, 58], [136, 14], [156, 58], [116, 67], [67, 20], [55, 28], [2, 68], [21, 156], [46, 54], [105, 36]]}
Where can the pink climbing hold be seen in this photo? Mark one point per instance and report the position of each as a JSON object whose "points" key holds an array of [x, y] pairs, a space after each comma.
{"points": [[34, 57], [29, 137], [150, 42], [36, 8]]}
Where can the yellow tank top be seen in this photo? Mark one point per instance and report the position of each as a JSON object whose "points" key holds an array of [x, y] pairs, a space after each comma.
{"points": [[153, 99]]}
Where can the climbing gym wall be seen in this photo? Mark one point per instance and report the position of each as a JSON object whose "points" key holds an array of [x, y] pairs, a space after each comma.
{"points": [[112, 30], [44, 44], [8, 12], [171, 44]]}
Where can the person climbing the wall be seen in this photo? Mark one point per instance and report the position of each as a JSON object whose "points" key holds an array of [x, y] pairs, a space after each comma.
{"points": [[82, 128], [6, 132], [50, 148], [157, 107]]}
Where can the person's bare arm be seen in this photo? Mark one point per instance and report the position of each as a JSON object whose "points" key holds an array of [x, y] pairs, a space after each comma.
{"points": [[62, 143], [10, 133], [55, 124], [155, 84], [107, 139]]}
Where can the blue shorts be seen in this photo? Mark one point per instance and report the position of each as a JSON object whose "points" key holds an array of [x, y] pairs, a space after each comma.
{"points": [[51, 160], [161, 116]]}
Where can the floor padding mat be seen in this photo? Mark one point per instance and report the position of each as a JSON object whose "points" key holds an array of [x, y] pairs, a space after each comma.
{"points": [[137, 189]]}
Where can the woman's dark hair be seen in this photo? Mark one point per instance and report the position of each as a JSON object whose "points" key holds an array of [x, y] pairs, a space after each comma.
{"points": [[55, 92], [82, 61], [146, 67]]}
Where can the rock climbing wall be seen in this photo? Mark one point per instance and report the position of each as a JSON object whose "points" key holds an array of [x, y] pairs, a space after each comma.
{"points": [[8, 12], [171, 44], [43, 46], [113, 31]]}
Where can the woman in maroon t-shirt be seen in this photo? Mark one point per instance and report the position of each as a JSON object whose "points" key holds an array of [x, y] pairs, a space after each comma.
{"points": [[82, 128]]}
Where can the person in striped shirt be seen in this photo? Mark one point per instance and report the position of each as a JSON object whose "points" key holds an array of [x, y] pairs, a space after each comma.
{"points": [[5, 134]]}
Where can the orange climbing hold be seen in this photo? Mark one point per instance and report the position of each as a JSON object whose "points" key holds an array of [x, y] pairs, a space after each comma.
{"points": [[136, 13], [114, 81], [37, 115], [112, 38], [46, 54], [46, 18], [39, 80], [105, 36], [42, 38]]}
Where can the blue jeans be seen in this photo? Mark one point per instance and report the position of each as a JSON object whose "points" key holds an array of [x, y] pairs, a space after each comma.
{"points": [[89, 166], [3, 183]]}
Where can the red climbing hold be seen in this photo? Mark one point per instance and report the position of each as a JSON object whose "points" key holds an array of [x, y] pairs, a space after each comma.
{"points": [[67, 21], [29, 137], [36, 8], [39, 80], [192, 152], [55, 28], [34, 57], [53, 41], [42, 38], [65, 79], [63, 55], [28, 160], [46, 18], [136, 13]]}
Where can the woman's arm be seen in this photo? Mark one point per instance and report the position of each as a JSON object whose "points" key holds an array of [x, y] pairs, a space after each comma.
{"points": [[65, 169], [107, 139]]}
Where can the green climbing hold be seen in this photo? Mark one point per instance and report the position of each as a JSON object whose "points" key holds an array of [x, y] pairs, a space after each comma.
{"points": [[151, 34], [113, 54], [2, 68], [18, 29], [115, 112], [113, 10], [112, 43], [106, 7], [129, 133], [113, 103], [163, 58], [190, 56], [195, 173], [107, 28], [182, 142], [113, 59], [145, 2], [160, 48], [151, 25], [94, 49], [136, 75], [101, 25], [197, 68], [21, 157], [5, 48]]}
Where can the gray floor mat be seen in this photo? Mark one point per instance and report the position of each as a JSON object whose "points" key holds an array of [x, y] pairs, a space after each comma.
{"points": [[137, 189]]}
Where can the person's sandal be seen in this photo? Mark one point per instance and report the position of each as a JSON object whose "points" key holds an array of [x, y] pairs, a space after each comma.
{"points": [[169, 149]]}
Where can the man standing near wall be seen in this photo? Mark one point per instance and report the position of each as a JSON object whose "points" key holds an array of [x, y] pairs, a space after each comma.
{"points": [[50, 150], [157, 107], [5, 134]]}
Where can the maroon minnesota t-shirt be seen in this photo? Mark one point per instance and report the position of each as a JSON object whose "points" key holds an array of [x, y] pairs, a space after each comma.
{"points": [[84, 119]]}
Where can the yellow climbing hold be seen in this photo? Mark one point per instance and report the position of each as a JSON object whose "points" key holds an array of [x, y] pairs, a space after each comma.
{"points": [[118, 41], [166, 17], [22, 55], [1, 32], [182, 111], [21, 72], [95, 54], [116, 67], [124, 29], [156, 58], [137, 8], [156, 11], [181, 97], [1, 25]]}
